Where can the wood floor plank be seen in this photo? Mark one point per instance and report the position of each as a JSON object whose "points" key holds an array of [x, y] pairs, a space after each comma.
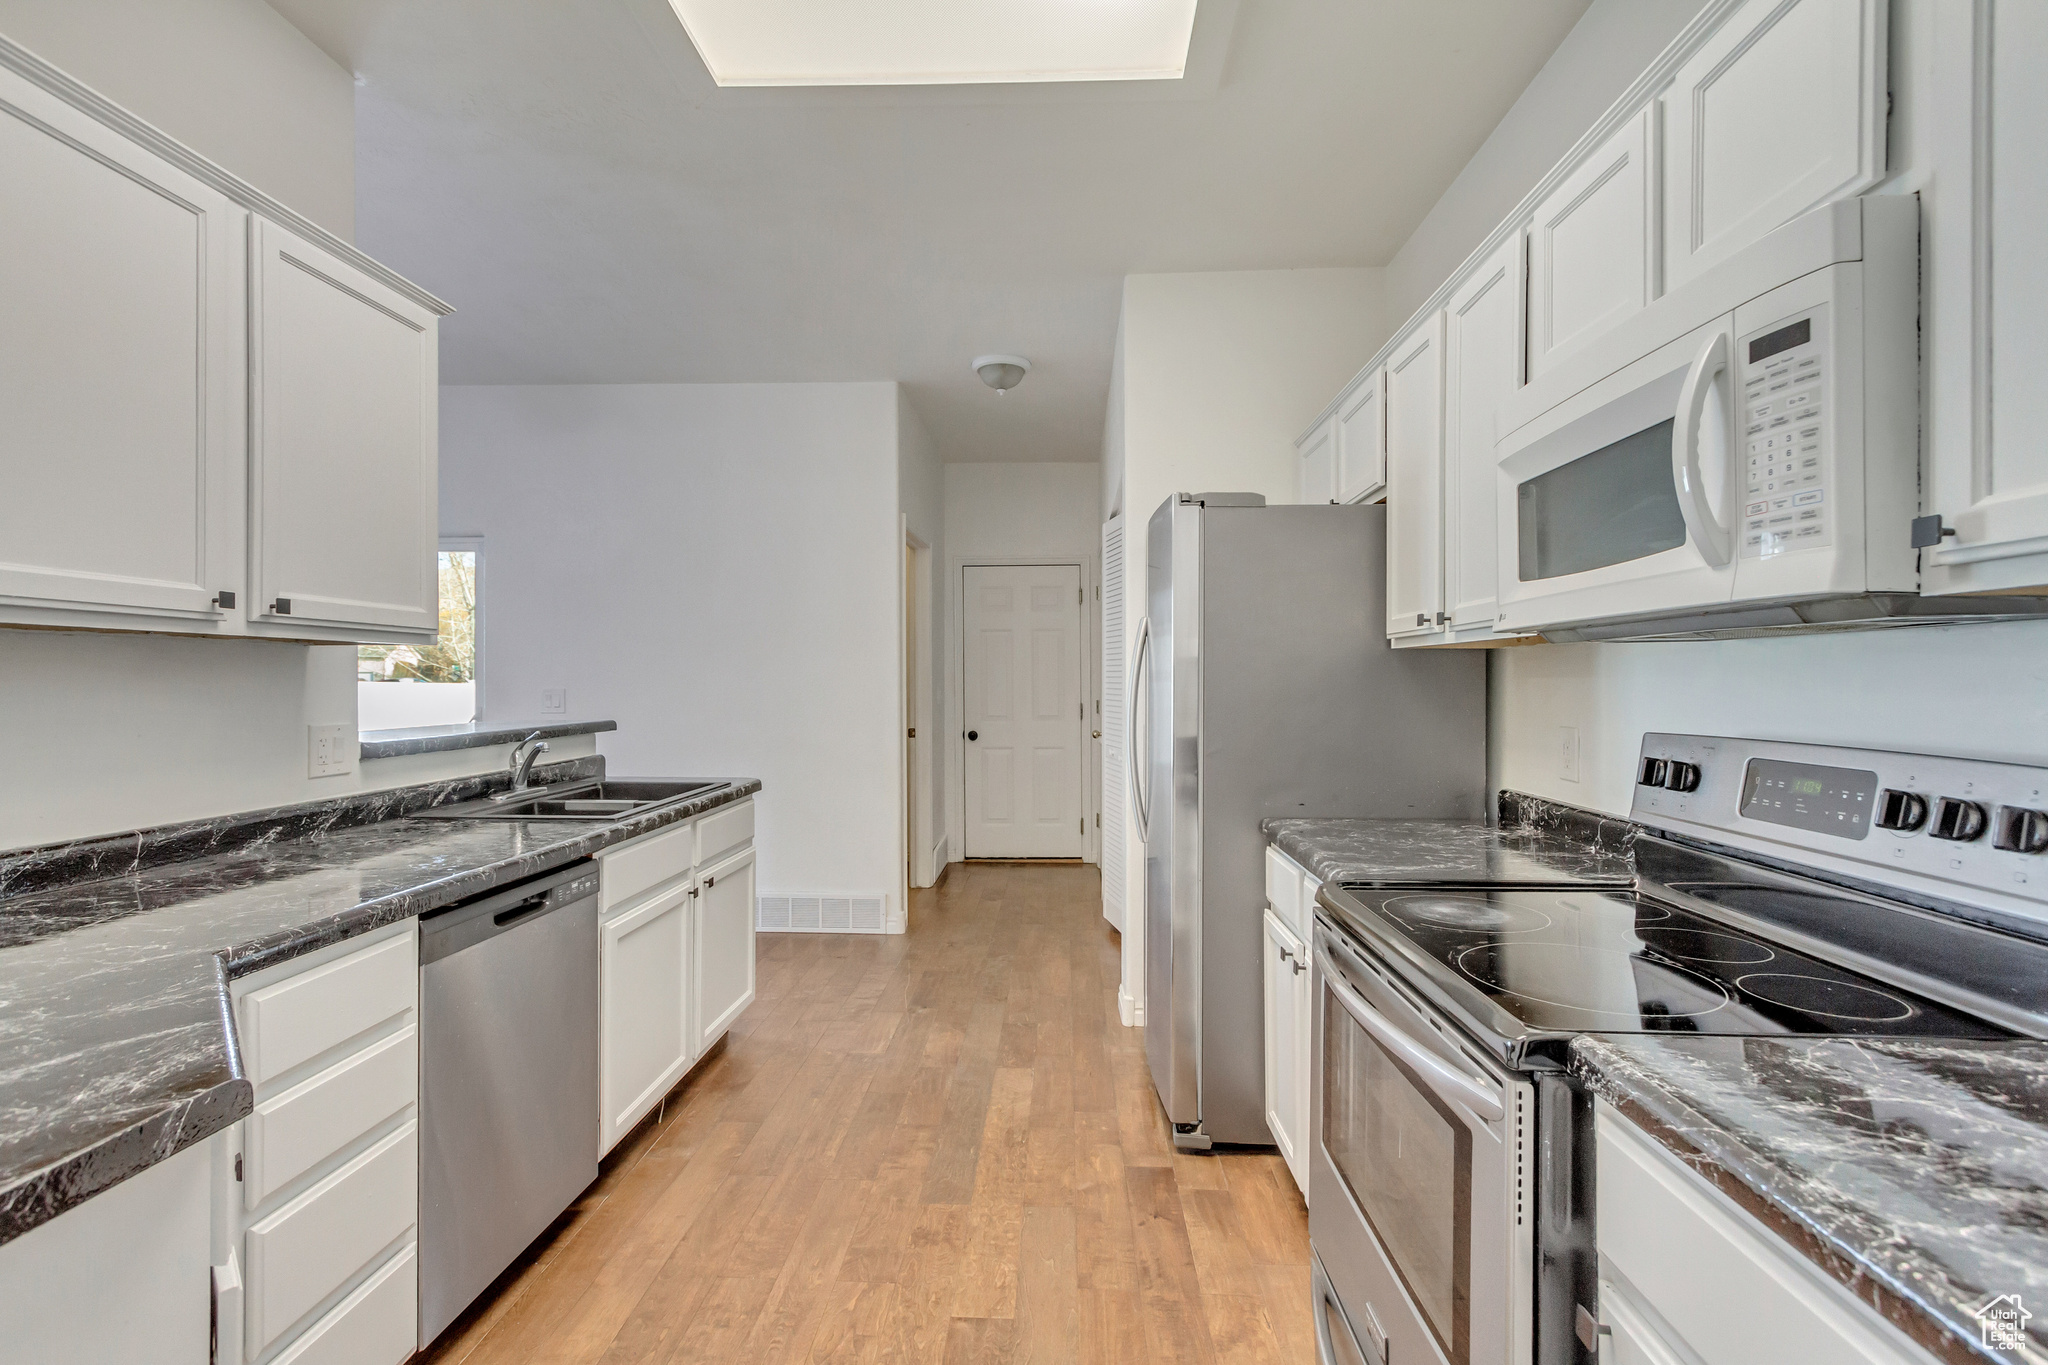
{"points": [[939, 1148]]}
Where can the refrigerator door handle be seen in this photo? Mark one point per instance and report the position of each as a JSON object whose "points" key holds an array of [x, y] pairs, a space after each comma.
{"points": [[1137, 738]]}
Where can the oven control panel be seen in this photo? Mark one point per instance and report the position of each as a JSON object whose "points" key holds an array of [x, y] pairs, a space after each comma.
{"points": [[1783, 418], [1963, 829]]}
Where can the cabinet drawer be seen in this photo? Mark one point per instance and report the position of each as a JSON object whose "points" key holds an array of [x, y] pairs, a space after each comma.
{"points": [[292, 1132], [1690, 1254], [626, 871], [297, 1019], [1284, 881], [723, 830], [378, 1324], [310, 1247]]}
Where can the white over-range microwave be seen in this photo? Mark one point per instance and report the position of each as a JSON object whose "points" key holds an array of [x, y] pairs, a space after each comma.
{"points": [[1740, 457]]}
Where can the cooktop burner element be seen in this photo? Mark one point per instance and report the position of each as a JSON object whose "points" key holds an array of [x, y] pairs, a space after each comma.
{"points": [[1468, 912], [1827, 999], [1601, 960]]}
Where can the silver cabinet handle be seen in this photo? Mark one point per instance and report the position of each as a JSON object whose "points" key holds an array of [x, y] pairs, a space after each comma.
{"points": [[1442, 1077]]}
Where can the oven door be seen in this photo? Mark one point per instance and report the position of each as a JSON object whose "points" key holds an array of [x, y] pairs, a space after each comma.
{"points": [[1419, 1176], [1620, 500]]}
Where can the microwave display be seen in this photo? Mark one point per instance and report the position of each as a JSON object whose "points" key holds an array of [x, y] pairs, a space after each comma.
{"points": [[1611, 506], [1784, 339]]}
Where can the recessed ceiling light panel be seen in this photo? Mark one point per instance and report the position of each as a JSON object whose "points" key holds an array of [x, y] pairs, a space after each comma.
{"points": [[938, 42]]}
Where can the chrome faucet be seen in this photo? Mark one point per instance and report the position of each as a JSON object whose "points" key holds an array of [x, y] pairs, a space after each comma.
{"points": [[523, 755]]}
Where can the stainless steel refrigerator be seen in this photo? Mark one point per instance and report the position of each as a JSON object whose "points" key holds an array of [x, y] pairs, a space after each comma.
{"points": [[1268, 688]]}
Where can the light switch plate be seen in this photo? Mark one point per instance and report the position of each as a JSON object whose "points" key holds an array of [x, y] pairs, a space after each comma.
{"points": [[331, 750], [1568, 752], [554, 701]]}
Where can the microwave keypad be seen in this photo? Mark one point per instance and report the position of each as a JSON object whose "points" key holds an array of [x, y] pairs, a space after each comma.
{"points": [[1784, 419]]}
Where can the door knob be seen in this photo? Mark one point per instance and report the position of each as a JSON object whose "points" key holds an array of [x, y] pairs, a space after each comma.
{"points": [[1095, 734], [974, 734]]}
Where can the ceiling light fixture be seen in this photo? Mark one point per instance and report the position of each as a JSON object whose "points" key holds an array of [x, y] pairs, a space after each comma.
{"points": [[938, 42], [1002, 372]]}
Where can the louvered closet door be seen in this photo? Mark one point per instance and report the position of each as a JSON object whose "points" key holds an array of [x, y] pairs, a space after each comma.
{"points": [[1023, 713], [1113, 722]]}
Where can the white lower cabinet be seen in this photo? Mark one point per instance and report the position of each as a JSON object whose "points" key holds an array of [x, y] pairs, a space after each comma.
{"points": [[316, 1209], [724, 950], [676, 916], [1689, 1277], [644, 974], [1287, 1045]]}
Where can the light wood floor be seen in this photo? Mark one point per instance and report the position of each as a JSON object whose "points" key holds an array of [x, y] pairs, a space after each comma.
{"points": [[935, 1147]]}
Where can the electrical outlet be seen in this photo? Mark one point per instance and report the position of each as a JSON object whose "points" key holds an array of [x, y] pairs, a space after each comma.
{"points": [[1568, 752], [331, 750], [554, 701]]}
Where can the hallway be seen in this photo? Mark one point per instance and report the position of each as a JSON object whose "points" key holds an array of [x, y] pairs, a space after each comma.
{"points": [[935, 1147]]}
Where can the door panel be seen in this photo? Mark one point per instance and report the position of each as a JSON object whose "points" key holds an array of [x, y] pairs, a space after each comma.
{"points": [[1361, 442], [1318, 471], [725, 945], [1483, 359], [1589, 259], [646, 1012], [1023, 672], [1415, 451]]}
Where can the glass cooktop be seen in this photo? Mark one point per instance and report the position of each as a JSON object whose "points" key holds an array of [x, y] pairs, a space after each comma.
{"points": [[1594, 961]]}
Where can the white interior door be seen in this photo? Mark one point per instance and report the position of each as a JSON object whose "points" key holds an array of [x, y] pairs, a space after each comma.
{"points": [[1023, 711]]}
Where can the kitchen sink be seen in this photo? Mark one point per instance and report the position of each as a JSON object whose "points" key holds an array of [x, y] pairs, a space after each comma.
{"points": [[593, 799]]}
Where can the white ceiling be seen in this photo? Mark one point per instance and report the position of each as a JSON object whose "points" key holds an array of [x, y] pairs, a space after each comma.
{"points": [[568, 176]]}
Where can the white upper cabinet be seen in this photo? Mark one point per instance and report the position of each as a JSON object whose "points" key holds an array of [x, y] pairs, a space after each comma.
{"points": [[1987, 312], [1482, 365], [121, 358], [1590, 257], [1781, 109], [1361, 441], [1414, 389], [345, 379], [1316, 463]]}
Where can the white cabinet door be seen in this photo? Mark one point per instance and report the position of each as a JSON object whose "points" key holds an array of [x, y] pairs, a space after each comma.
{"points": [[1287, 1046], [1316, 463], [1415, 465], [1482, 365], [646, 1027], [1986, 306], [725, 945], [1589, 247], [1361, 441], [343, 491], [121, 375], [1783, 108]]}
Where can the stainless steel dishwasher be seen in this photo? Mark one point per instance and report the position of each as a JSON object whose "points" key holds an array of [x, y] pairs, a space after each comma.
{"points": [[508, 1080]]}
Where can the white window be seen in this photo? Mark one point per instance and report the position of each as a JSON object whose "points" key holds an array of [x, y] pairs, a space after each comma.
{"points": [[402, 686]]}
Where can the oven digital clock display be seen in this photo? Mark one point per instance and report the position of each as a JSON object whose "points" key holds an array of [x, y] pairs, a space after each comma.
{"points": [[1835, 801]]}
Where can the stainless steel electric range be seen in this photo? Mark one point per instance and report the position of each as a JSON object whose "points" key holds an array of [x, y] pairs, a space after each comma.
{"points": [[1780, 889]]}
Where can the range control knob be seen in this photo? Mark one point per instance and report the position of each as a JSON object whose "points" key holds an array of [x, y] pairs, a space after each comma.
{"points": [[1900, 810], [1682, 777], [1652, 774], [1958, 820], [2021, 830]]}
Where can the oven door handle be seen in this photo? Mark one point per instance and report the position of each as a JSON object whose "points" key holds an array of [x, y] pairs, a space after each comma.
{"points": [[1442, 1077], [1712, 538]]}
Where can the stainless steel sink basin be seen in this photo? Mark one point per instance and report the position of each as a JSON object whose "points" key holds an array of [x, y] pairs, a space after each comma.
{"points": [[594, 799]]}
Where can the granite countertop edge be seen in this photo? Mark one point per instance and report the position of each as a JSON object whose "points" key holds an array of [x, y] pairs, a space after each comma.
{"points": [[190, 1117], [1673, 1125], [433, 739]]}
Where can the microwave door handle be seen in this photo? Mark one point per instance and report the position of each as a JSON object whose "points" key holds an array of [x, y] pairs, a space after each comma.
{"points": [[1712, 538], [1135, 740], [1442, 1077]]}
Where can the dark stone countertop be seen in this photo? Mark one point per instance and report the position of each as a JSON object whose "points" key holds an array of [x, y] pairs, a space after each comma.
{"points": [[1913, 1172], [1534, 844], [433, 739], [116, 1046]]}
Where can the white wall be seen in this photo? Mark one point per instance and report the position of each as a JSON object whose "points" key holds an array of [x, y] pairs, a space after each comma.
{"points": [[921, 498], [231, 79], [1007, 512], [715, 567], [1215, 375], [118, 731], [1609, 47]]}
